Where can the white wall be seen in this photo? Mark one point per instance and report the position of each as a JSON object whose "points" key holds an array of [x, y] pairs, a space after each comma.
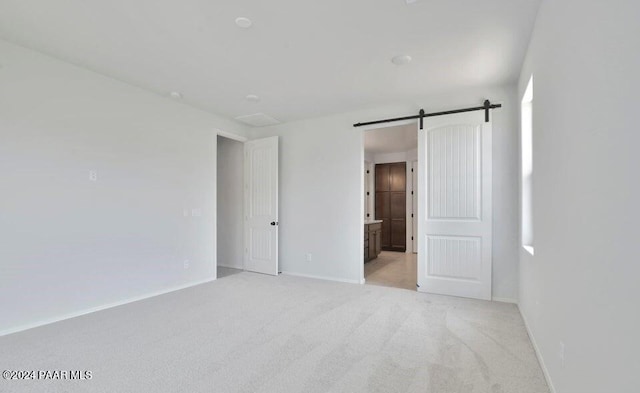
{"points": [[385, 158], [581, 287], [230, 203], [321, 193], [406, 156], [321, 187], [68, 244], [369, 156]]}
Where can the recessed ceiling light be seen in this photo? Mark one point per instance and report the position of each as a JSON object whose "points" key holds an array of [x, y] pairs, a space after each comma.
{"points": [[252, 98], [401, 59], [243, 22], [176, 95]]}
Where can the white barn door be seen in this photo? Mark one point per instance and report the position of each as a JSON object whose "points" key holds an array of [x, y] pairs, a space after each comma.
{"points": [[261, 205], [454, 187]]}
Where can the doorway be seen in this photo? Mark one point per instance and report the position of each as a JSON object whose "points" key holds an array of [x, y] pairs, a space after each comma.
{"points": [[230, 222], [390, 155], [454, 202], [246, 205]]}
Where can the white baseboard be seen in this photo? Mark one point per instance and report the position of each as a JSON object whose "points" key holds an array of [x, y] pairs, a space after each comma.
{"points": [[504, 300], [100, 308], [536, 349], [322, 277]]}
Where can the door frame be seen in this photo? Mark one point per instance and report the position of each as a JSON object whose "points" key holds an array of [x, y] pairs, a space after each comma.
{"points": [[241, 139], [362, 188], [413, 202]]}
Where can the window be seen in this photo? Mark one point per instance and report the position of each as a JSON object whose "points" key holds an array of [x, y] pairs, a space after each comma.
{"points": [[526, 138]]}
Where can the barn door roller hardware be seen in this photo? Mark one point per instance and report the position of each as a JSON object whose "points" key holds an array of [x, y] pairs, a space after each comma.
{"points": [[486, 107]]}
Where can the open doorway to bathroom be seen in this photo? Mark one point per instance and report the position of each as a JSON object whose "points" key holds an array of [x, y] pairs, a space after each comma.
{"points": [[390, 206]]}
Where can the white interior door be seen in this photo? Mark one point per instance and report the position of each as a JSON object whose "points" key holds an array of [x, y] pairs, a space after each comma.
{"points": [[454, 188], [261, 205]]}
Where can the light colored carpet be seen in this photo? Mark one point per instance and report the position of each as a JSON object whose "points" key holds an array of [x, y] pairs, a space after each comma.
{"points": [[393, 269], [227, 271], [254, 333]]}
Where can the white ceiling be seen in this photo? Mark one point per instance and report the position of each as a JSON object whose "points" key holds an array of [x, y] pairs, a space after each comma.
{"points": [[394, 139], [303, 58]]}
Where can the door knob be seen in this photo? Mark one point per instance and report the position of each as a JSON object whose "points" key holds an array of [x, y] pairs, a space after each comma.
{"points": [[274, 223]]}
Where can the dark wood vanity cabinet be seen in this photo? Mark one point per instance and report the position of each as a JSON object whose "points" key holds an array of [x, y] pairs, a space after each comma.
{"points": [[372, 241]]}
